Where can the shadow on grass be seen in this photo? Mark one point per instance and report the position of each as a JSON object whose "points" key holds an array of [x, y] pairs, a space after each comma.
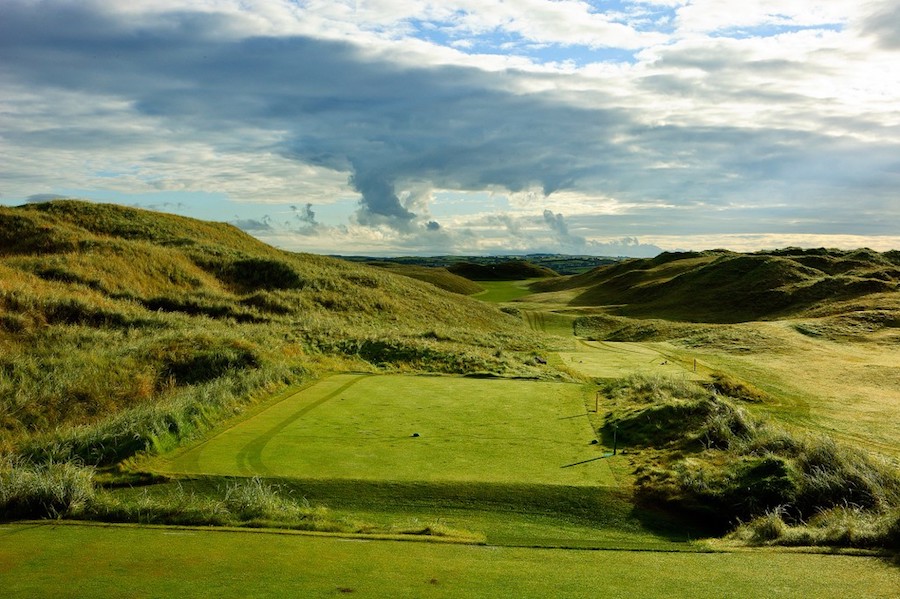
{"points": [[607, 508]]}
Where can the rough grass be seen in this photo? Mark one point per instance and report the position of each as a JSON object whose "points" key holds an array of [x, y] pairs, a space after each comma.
{"points": [[726, 287], [709, 456], [240, 502], [49, 490], [437, 276], [122, 329]]}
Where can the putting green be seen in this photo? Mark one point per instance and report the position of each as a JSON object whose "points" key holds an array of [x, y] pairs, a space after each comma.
{"points": [[97, 561], [612, 359], [363, 427]]}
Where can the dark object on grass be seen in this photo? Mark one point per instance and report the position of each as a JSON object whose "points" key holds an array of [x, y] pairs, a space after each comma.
{"points": [[415, 434], [594, 442]]}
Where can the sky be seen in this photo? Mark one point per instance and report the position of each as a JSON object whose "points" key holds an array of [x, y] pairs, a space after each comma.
{"points": [[412, 127]]}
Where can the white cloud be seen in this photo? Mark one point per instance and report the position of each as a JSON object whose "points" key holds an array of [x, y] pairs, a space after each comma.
{"points": [[733, 114]]}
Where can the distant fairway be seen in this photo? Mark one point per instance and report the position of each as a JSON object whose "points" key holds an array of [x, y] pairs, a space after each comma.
{"points": [[504, 291], [361, 427], [607, 359]]}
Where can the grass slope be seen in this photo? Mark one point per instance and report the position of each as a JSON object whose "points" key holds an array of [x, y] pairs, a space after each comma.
{"points": [[124, 329], [512, 270], [721, 286], [437, 276]]}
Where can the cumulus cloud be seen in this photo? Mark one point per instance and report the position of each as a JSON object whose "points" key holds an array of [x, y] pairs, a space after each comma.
{"points": [[560, 229], [263, 99], [305, 214]]}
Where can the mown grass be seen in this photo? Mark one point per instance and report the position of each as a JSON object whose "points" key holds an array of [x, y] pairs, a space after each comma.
{"points": [[45, 560], [412, 428], [504, 291]]}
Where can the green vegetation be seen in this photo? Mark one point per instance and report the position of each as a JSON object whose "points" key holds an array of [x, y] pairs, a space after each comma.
{"points": [[125, 331], [720, 286], [711, 457], [405, 428], [513, 270], [564, 264], [503, 291], [436, 275], [45, 560], [162, 371]]}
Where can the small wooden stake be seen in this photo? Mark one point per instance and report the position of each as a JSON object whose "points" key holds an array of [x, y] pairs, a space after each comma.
{"points": [[615, 440]]}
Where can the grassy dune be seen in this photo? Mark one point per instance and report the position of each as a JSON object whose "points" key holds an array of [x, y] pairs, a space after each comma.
{"points": [[437, 276], [119, 324], [160, 370], [511, 270], [721, 286]]}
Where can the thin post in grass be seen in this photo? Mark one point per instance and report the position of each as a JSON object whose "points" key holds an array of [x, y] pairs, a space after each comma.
{"points": [[615, 438]]}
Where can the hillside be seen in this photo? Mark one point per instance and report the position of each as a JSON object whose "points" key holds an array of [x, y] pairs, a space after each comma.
{"points": [[721, 286], [512, 270], [563, 264], [145, 325], [436, 275]]}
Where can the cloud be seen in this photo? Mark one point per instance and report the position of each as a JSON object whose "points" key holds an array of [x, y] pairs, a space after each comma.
{"points": [[884, 24], [252, 225], [560, 230], [276, 104], [305, 214]]}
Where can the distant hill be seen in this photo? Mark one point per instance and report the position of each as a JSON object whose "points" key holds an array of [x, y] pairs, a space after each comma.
{"points": [[105, 308], [512, 270], [564, 264], [723, 286], [436, 275]]}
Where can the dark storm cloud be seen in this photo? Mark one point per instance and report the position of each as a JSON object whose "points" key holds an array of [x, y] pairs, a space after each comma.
{"points": [[389, 125]]}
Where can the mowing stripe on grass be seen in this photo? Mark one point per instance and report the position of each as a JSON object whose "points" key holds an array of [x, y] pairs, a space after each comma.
{"points": [[249, 458], [412, 428]]}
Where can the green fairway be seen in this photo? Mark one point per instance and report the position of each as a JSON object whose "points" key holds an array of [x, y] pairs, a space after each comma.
{"points": [[363, 427], [99, 561], [608, 359], [504, 291]]}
